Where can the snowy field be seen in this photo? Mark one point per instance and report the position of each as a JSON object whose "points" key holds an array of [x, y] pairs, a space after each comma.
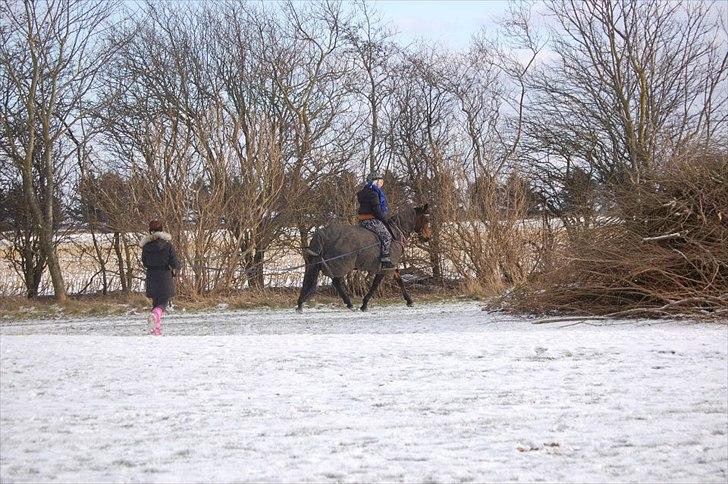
{"points": [[436, 393]]}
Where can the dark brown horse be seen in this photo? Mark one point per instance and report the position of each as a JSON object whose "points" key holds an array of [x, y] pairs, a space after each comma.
{"points": [[338, 249]]}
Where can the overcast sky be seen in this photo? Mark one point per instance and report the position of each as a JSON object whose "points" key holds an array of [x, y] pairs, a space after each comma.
{"points": [[451, 22]]}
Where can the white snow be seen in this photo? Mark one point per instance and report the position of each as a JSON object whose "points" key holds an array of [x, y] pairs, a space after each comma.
{"points": [[437, 393]]}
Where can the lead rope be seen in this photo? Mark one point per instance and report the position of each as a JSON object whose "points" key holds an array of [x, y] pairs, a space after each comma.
{"points": [[293, 268]]}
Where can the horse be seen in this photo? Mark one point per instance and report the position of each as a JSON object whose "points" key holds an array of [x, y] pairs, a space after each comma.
{"points": [[338, 249]]}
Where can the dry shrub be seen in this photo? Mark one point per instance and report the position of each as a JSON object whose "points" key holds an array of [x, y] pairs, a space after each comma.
{"points": [[664, 254], [490, 241]]}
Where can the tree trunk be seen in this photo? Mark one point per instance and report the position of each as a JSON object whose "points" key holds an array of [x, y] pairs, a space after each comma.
{"points": [[54, 267], [303, 235], [32, 262], [255, 276], [45, 233], [120, 263], [129, 265], [102, 263], [436, 254], [435, 262]]}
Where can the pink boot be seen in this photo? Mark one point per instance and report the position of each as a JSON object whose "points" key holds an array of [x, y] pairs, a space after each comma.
{"points": [[158, 325], [155, 321]]}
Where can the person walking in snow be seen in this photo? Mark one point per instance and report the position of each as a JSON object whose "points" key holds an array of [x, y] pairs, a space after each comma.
{"points": [[373, 214], [161, 263]]}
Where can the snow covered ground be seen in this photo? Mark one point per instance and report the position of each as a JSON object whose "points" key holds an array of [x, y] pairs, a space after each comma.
{"points": [[437, 393]]}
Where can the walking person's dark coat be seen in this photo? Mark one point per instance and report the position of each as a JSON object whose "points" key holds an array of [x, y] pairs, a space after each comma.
{"points": [[161, 264]]}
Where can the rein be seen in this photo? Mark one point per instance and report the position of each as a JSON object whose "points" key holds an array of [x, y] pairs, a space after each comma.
{"points": [[404, 241], [289, 269]]}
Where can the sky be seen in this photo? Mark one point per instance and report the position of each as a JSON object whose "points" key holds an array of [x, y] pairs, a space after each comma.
{"points": [[451, 23]]}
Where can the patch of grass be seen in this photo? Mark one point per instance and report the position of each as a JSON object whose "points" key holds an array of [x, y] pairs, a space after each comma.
{"points": [[18, 308], [13, 309]]}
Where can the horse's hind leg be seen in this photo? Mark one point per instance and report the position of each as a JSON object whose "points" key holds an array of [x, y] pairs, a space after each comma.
{"points": [[375, 285], [405, 292], [339, 285]]}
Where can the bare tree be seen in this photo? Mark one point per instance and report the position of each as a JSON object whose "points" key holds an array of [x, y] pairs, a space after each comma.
{"points": [[311, 71], [423, 134], [254, 134], [633, 83], [26, 256], [372, 48], [50, 55]]}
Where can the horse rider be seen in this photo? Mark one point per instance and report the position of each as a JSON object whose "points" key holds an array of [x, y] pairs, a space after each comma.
{"points": [[374, 215]]}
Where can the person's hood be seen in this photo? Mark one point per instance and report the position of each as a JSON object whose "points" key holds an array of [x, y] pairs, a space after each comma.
{"points": [[154, 236]]}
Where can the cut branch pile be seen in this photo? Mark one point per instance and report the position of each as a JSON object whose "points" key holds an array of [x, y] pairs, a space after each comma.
{"points": [[667, 258]]}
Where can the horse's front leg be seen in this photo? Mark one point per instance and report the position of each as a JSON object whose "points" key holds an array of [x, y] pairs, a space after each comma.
{"points": [[405, 292], [338, 283], [375, 285]]}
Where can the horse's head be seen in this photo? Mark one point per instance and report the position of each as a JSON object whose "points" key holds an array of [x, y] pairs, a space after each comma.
{"points": [[422, 222], [415, 220]]}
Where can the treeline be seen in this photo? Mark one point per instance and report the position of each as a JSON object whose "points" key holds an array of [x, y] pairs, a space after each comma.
{"points": [[244, 125]]}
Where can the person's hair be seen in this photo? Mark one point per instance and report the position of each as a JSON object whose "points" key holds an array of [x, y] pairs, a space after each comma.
{"points": [[155, 226]]}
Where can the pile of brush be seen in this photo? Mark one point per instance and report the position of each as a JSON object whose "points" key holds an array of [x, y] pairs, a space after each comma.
{"points": [[664, 253]]}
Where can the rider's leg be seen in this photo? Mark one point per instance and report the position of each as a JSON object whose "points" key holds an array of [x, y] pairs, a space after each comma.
{"points": [[385, 240]]}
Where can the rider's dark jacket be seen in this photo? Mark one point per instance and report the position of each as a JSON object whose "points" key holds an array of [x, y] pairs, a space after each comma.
{"points": [[369, 205]]}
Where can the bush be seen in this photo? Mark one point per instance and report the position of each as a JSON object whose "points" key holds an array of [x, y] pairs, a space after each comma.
{"points": [[663, 253]]}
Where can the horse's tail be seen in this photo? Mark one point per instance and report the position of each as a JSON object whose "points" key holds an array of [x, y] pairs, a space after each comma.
{"points": [[314, 250], [313, 258], [310, 277]]}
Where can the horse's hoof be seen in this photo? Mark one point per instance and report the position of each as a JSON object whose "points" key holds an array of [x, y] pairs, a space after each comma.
{"points": [[410, 304], [364, 309], [299, 309], [351, 308]]}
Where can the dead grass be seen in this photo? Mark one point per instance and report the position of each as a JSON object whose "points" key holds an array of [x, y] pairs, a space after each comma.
{"points": [[45, 307], [14, 309]]}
